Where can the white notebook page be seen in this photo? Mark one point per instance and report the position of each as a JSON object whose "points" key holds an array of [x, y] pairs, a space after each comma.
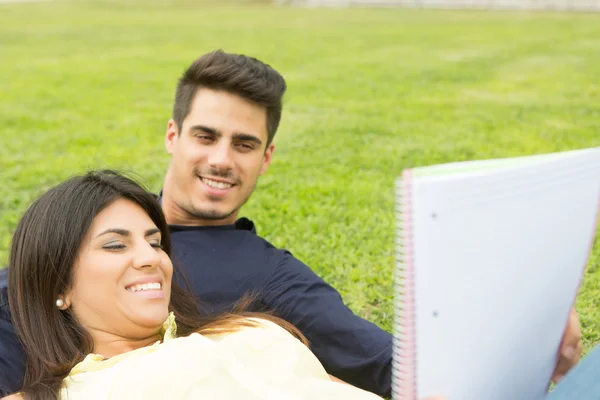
{"points": [[498, 258]]}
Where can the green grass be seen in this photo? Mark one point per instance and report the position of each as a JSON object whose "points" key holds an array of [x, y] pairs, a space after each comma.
{"points": [[87, 85]]}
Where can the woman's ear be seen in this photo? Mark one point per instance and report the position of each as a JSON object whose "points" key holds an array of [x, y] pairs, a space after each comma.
{"points": [[63, 302]]}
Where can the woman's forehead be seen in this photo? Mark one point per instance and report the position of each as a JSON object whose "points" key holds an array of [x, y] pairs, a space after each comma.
{"points": [[122, 214]]}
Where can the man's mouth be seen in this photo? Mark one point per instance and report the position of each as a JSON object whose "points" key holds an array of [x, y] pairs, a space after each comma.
{"points": [[216, 184]]}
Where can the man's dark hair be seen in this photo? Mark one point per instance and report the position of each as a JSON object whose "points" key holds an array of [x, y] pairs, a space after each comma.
{"points": [[237, 74]]}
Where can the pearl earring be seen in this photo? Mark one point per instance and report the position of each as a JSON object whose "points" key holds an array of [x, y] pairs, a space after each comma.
{"points": [[60, 303]]}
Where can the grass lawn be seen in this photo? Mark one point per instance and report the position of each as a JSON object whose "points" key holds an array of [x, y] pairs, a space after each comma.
{"points": [[90, 84]]}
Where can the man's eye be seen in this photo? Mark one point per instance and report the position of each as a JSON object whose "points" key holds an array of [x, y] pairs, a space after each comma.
{"points": [[156, 245]]}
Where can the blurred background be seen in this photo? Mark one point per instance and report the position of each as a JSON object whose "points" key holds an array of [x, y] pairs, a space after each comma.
{"points": [[374, 87]]}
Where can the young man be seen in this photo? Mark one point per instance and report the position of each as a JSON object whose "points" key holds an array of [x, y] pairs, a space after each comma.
{"points": [[226, 112]]}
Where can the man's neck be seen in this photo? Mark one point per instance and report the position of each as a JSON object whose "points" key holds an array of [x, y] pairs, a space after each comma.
{"points": [[182, 219], [175, 215]]}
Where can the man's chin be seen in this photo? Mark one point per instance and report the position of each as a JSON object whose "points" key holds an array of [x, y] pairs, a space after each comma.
{"points": [[214, 214]]}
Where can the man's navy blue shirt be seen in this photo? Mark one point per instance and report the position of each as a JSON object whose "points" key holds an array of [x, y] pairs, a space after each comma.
{"points": [[222, 264]]}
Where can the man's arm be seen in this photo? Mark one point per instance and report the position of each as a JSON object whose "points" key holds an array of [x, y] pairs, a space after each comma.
{"points": [[350, 348], [12, 355]]}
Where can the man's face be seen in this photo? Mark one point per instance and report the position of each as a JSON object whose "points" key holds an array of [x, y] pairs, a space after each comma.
{"points": [[216, 159]]}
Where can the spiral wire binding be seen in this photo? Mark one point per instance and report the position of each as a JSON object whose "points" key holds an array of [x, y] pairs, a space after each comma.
{"points": [[404, 383]]}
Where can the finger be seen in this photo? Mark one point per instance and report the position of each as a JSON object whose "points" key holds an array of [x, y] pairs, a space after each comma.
{"points": [[566, 362], [570, 347], [572, 334]]}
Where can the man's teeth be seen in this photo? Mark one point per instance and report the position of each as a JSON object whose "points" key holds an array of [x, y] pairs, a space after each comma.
{"points": [[216, 185], [145, 286]]}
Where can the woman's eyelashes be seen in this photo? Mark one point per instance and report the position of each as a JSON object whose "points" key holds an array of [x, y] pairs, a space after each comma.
{"points": [[120, 246]]}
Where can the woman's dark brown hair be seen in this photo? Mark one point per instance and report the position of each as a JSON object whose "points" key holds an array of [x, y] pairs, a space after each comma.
{"points": [[44, 248]]}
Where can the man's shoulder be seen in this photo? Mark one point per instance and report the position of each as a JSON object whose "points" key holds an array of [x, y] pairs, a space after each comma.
{"points": [[256, 244], [3, 289], [275, 254], [12, 356], [228, 248]]}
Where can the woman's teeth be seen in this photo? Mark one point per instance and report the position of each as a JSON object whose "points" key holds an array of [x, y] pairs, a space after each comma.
{"points": [[145, 286]]}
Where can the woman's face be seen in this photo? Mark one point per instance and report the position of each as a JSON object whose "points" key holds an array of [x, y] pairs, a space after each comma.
{"points": [[122, 277]]}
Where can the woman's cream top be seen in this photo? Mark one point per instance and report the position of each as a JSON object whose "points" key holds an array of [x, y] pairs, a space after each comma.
{"points": [[262, 362]]}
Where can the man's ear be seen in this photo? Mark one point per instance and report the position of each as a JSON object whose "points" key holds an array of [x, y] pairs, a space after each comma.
{"points": [[267, 158], [172, 136]]}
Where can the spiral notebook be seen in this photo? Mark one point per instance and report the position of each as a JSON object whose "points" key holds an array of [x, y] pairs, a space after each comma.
{"points": [[490, 255]]}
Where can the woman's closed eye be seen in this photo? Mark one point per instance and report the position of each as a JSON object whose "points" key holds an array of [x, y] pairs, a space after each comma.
{"points": [[156, 244], [114, 246], [120, 246]]}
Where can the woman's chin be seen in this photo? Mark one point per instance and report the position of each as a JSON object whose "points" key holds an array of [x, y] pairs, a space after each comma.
{"points": [[153, 319]]}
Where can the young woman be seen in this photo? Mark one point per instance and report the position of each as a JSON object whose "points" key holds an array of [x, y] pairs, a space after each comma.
{"points": [[91, 298]]}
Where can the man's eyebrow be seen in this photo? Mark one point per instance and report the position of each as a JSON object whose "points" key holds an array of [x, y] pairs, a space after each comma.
{"points": [[206, 129], [246, 137]]}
